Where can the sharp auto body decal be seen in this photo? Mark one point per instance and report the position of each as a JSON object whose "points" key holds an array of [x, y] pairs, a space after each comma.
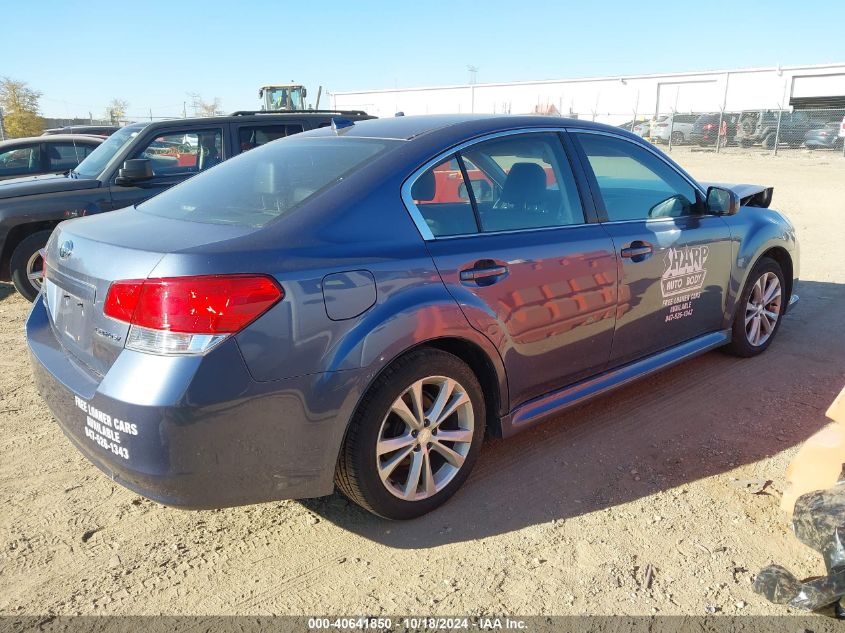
{"points": [[683, 279], [685, 270]]}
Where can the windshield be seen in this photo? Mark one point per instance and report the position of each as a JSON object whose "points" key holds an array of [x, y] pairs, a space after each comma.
{"points": [[286, 98], [266, 183], [97, 160]]}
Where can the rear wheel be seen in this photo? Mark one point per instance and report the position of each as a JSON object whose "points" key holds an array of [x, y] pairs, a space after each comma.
{"points": [[677, 138], [415, 437], [27, 265], [759, 311]]}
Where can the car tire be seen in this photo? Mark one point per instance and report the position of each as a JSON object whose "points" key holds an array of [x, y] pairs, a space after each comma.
{"points": [[26, 265], [677, 138], [417, 471], [755, 307]]}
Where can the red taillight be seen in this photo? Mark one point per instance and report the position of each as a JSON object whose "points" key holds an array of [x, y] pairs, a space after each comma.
{"points": [[122, 299], [709, 126], [212, 304]]}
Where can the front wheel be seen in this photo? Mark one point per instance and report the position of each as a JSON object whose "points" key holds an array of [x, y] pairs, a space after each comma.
{"points": [[27, 265], [759, 311], [415, 436]]}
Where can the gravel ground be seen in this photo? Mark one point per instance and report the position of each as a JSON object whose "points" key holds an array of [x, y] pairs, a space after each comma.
{"points": [[565, 519]]}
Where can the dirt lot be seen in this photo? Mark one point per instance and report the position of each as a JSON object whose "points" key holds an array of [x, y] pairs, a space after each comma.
{"points": [[565, 519]]}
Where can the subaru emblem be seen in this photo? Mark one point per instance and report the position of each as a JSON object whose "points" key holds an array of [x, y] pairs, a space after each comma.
{"points": [[65, 249]]}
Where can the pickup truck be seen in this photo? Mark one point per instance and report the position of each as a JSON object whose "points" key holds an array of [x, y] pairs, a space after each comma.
{"points": [[133, 164]]}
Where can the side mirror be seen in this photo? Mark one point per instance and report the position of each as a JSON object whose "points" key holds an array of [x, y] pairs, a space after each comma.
{"points": [[134, 171], [722, 201]]}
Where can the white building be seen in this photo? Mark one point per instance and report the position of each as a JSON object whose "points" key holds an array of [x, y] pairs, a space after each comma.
{"points": [[621, 98]]}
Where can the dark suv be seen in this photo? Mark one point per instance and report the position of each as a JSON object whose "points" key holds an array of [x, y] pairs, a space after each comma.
{"points": [[761, 128], [133, 164], [705, 130]]}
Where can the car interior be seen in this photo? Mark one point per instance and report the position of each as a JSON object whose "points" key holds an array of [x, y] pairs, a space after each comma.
{"points": [[515, 185]]}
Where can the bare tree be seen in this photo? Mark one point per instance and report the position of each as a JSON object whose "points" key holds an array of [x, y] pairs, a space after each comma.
{"points": [[116, 110], [20, 107], [205, 108]]}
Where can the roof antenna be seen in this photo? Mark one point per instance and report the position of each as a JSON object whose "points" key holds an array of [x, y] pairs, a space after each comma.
{"points": [[339, 125]]}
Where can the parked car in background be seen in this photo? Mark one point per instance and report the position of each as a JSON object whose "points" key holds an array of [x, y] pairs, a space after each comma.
{"points": [[643, 129], [765, 127], [826, 137], [96, 130], [705, 129], [318, 313], [39, 155], [677, 126], [133, 164]]}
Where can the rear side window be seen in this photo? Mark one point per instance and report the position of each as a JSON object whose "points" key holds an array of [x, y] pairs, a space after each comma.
{"points": [[252, 136], [634, 183], [22, 160], [441, 196], [64, 156], [268, 182], [516, 182]]}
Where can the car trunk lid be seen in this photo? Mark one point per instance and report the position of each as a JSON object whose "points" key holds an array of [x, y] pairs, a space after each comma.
{"points": [[86, 255]]}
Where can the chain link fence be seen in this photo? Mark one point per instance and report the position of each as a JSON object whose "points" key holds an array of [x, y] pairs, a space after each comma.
{"points": [[762, 110], [770, 131]]}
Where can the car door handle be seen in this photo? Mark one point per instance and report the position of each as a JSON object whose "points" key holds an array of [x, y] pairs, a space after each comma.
{"points": [[637, 249], [483, 272]]}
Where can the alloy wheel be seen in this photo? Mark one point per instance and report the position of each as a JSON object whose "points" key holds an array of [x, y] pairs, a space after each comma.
{"points": [[35, 270], [763, 309], [425, 438]]}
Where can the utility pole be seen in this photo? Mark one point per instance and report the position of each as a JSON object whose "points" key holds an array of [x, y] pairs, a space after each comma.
{"points": [[473, 73], [184, 110]]}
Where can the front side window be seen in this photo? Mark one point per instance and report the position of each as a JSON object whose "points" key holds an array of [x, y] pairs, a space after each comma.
{"points": [[266, 183], [184, 152], [21, 160], [634, 183], [517, 182]]}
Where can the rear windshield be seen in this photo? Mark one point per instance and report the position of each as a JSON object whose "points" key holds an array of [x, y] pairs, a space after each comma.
{"points": [[266, 183]]}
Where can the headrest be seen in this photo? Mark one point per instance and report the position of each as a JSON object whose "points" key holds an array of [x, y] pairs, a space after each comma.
{"points": [[525, 184]]}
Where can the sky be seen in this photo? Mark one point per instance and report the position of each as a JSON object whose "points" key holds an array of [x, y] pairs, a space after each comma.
{"points": [[89, 52]]}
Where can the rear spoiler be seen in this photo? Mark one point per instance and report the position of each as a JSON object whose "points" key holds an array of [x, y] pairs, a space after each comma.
{"points": [[749, 195]]}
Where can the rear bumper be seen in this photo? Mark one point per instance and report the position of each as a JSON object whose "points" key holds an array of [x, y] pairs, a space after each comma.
{"points": [[817, 142], [196, 432], [703, 137]]}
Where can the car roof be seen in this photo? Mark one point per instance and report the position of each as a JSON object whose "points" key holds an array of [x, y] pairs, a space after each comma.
{"points": [[246, 116], [409, 127], [54, 138]]}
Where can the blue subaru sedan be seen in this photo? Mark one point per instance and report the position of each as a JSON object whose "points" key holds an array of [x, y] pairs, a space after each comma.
{"points": [[356, 307]]}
